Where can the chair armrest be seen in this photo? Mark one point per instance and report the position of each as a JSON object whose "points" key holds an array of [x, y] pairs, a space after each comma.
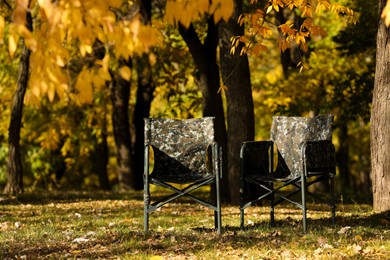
{"points": [[254, 146], [256, 157], [214, 158], [319, 157]]}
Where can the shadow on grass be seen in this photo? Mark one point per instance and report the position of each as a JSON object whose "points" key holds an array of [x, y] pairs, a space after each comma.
{"points": [[379, 221], [45, 197]]}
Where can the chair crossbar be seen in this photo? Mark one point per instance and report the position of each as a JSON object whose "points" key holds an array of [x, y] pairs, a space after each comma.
{"points": [[273, 192], [181, 193], [285, 197]]}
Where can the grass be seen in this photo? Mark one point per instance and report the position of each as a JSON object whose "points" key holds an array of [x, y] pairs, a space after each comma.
{"points": [[110, 226]]}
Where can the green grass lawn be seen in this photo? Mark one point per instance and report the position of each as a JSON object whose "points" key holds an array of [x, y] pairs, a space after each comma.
{"points": [[110, 226]]}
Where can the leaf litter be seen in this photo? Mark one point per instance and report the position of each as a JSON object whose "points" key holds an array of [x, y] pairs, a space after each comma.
{"points": [[112, 227]]}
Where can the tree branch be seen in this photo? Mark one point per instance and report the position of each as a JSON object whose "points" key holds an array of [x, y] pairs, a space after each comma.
{"points": [[193, 42], [7, 4]]}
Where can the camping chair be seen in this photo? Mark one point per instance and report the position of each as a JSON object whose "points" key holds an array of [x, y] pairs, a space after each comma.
{"points": [[184, 153], [305, 155]]}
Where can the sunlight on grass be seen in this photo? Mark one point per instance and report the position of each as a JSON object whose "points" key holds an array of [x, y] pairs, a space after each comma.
{"points": [[89, 226]]}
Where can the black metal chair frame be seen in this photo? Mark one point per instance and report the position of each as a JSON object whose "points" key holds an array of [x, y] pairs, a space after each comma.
{"points": [[269, 177], [212, 179]]}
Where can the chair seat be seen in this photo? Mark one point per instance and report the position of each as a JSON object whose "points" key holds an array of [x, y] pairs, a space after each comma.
{"points": [[169, 169], [188, 177], [268, 178]]}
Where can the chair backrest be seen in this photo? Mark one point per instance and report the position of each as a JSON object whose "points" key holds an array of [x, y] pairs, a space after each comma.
{"points": [[289, 133], [179, 147]]}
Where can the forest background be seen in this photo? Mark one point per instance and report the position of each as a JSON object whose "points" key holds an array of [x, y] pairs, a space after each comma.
{"points": [[75, 113]]}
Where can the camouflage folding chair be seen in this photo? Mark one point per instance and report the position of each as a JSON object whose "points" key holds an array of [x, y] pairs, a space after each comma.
{"points": [[305, 155], [184, 153]]}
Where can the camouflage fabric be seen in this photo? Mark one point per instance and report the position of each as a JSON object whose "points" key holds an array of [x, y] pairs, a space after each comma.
{"points": [[290, 133], [179, 147]]}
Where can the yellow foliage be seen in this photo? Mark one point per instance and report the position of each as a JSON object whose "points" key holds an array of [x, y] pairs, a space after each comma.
{"points": [[49, 140], [185, 11], [31, 99], [2, 26], [386, 14], [125, 73], [100, 78], [114, 3], [13, 40], [222, 10], [84, 86], [260, 28], [62, 25], [19, 14], [67, 147]]}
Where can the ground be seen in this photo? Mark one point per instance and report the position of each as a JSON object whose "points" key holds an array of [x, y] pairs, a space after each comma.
{"points": [[110, 226]]}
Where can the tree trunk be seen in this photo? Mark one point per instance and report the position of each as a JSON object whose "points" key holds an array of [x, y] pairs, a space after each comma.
{"points": [[100, 157], [205, 58], [240, 113], [145, 97], [14, 164], [142, 110], [342, 157], [380, 118], [120, 94]]}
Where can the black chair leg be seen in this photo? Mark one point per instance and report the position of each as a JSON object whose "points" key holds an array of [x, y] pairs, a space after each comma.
{"points": [[272, 208], [304, 210], [272, 214], [146, 189], [219, 218], [332, 198], [242, 204], [146, 214]]}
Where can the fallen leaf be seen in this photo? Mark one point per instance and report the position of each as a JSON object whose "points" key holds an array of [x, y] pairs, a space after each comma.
{"points": [[344, 230], [327, 246], [80, 240], [112, 224], [91, 233], [322, 241], [357, 248], [358, 237], [318, 251]]}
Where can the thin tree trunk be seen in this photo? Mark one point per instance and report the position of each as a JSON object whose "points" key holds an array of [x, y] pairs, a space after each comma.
{"points": [[145, 97], [142, 110], [14, 164], [120, 94], [240, 113], [380, 118], [100, 156], [342, 156]]}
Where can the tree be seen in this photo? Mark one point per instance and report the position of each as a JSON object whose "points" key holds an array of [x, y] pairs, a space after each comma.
{"points": [[183, 14], [14, 163], [144, 98], [120, 94], [380, 115], [64, 30], [240, 113]]}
